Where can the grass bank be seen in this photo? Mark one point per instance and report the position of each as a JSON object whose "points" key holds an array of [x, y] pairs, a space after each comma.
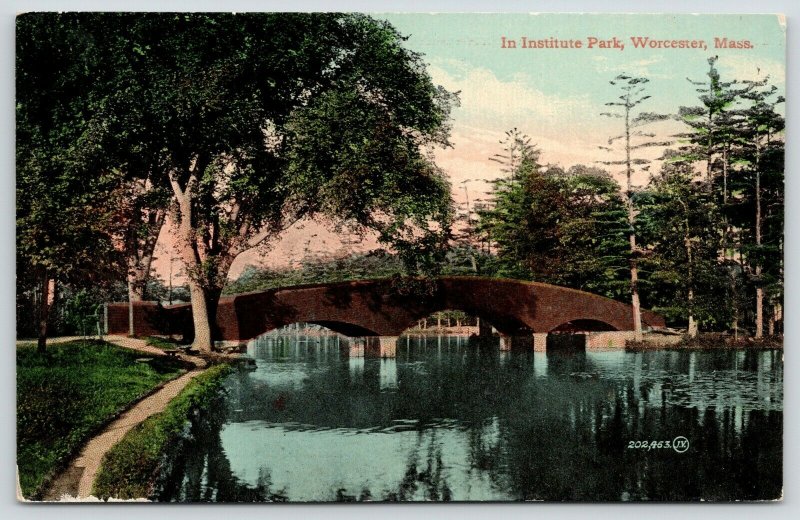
{"points": [[131, 466], [67, 394], [709, 341]]}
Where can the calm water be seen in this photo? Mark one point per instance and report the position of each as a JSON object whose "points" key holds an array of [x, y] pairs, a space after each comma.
{"points": [[447, 420]]}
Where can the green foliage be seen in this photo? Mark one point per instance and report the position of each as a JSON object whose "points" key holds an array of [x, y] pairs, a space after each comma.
{"points": [[679, 221], [361, 266], [736, 134], [712, 125], [64, 204], [376, 264], [129, 468], [74, 311], [254, 121], [158, 290], [761, 183], [567, 228], [82, 313], [66, 393]]}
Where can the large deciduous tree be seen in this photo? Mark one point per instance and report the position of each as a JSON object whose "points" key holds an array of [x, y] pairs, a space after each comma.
{"points": [[257, 121]]}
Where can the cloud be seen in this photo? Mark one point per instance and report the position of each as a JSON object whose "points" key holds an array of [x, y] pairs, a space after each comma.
{"points": [[487, 101], [742, 67], [566, 129], [642, 67]]}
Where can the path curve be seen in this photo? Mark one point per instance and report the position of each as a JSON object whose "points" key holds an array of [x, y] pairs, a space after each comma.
{"points": [[77, 479]]}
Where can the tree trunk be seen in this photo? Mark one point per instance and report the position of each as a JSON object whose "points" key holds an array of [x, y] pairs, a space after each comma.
{"points": [[759, 287], [138, 274], [692, 329], [735, 295], [201, 318], [687, 240], [139, 249], [776, 317], [771, 323], [759, 307], [135, 294], [635, 305], [44, 313]]}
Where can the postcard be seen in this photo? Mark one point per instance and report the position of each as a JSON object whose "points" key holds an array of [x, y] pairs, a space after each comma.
{"points": [[369, 257]]}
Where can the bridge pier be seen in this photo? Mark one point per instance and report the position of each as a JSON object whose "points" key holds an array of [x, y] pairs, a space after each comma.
{"points": [[381, 346], [540, 342], [518, 343], [484, 329], [356, 347]]}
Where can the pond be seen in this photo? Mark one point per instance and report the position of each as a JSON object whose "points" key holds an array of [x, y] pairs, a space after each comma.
{"points": [[448, 419]]}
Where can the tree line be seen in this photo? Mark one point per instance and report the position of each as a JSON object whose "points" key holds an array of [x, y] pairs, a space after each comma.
{"points": [[700, 242]]}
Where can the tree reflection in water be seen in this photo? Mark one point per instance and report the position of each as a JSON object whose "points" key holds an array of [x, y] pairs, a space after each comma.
{"points": [[464, 423]]}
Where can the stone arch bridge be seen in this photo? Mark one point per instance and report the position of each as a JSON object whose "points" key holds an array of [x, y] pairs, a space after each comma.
{"points": [[387, 307]]}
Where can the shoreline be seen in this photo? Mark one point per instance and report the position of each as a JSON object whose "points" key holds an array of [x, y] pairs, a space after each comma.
{"points": [[708, 342]]}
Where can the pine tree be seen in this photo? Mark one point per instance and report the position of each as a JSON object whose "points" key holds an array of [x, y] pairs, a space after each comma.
{"points": [[632, 95], [766, 149]]}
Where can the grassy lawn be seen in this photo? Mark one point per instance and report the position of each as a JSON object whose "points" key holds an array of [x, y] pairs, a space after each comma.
{"points": [[67, 393], [129, 467]]}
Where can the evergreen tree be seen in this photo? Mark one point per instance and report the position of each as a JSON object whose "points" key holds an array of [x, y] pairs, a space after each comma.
{"points": [[633, 138], [765, 151], [678, 220]]}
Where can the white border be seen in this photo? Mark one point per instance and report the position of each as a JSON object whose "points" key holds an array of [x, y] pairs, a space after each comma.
{"points": [[9, 508]]}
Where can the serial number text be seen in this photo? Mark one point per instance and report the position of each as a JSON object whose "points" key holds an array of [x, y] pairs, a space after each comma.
{"points": [[679, 444]]}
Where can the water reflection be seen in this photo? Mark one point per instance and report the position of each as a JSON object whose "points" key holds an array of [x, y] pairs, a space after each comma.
{"points": [[451, 420]]}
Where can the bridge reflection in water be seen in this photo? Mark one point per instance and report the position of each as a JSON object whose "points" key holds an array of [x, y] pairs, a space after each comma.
{"points": [[301, 335], [444, 420]]}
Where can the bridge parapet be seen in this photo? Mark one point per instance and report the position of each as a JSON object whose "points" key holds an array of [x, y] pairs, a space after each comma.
{"points": [[377, 308]]}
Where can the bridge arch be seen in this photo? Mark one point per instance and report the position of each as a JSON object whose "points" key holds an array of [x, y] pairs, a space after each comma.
{"points": [[344, 328], [584, 325], [379, 308], [503, 324], [337, 327]]}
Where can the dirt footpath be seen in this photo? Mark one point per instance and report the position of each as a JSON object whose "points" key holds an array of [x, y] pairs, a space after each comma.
{"points": [[77, 479]]}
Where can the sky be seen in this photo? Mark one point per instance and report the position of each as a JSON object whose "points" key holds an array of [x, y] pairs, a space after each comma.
{"points": [[555, 96]]}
